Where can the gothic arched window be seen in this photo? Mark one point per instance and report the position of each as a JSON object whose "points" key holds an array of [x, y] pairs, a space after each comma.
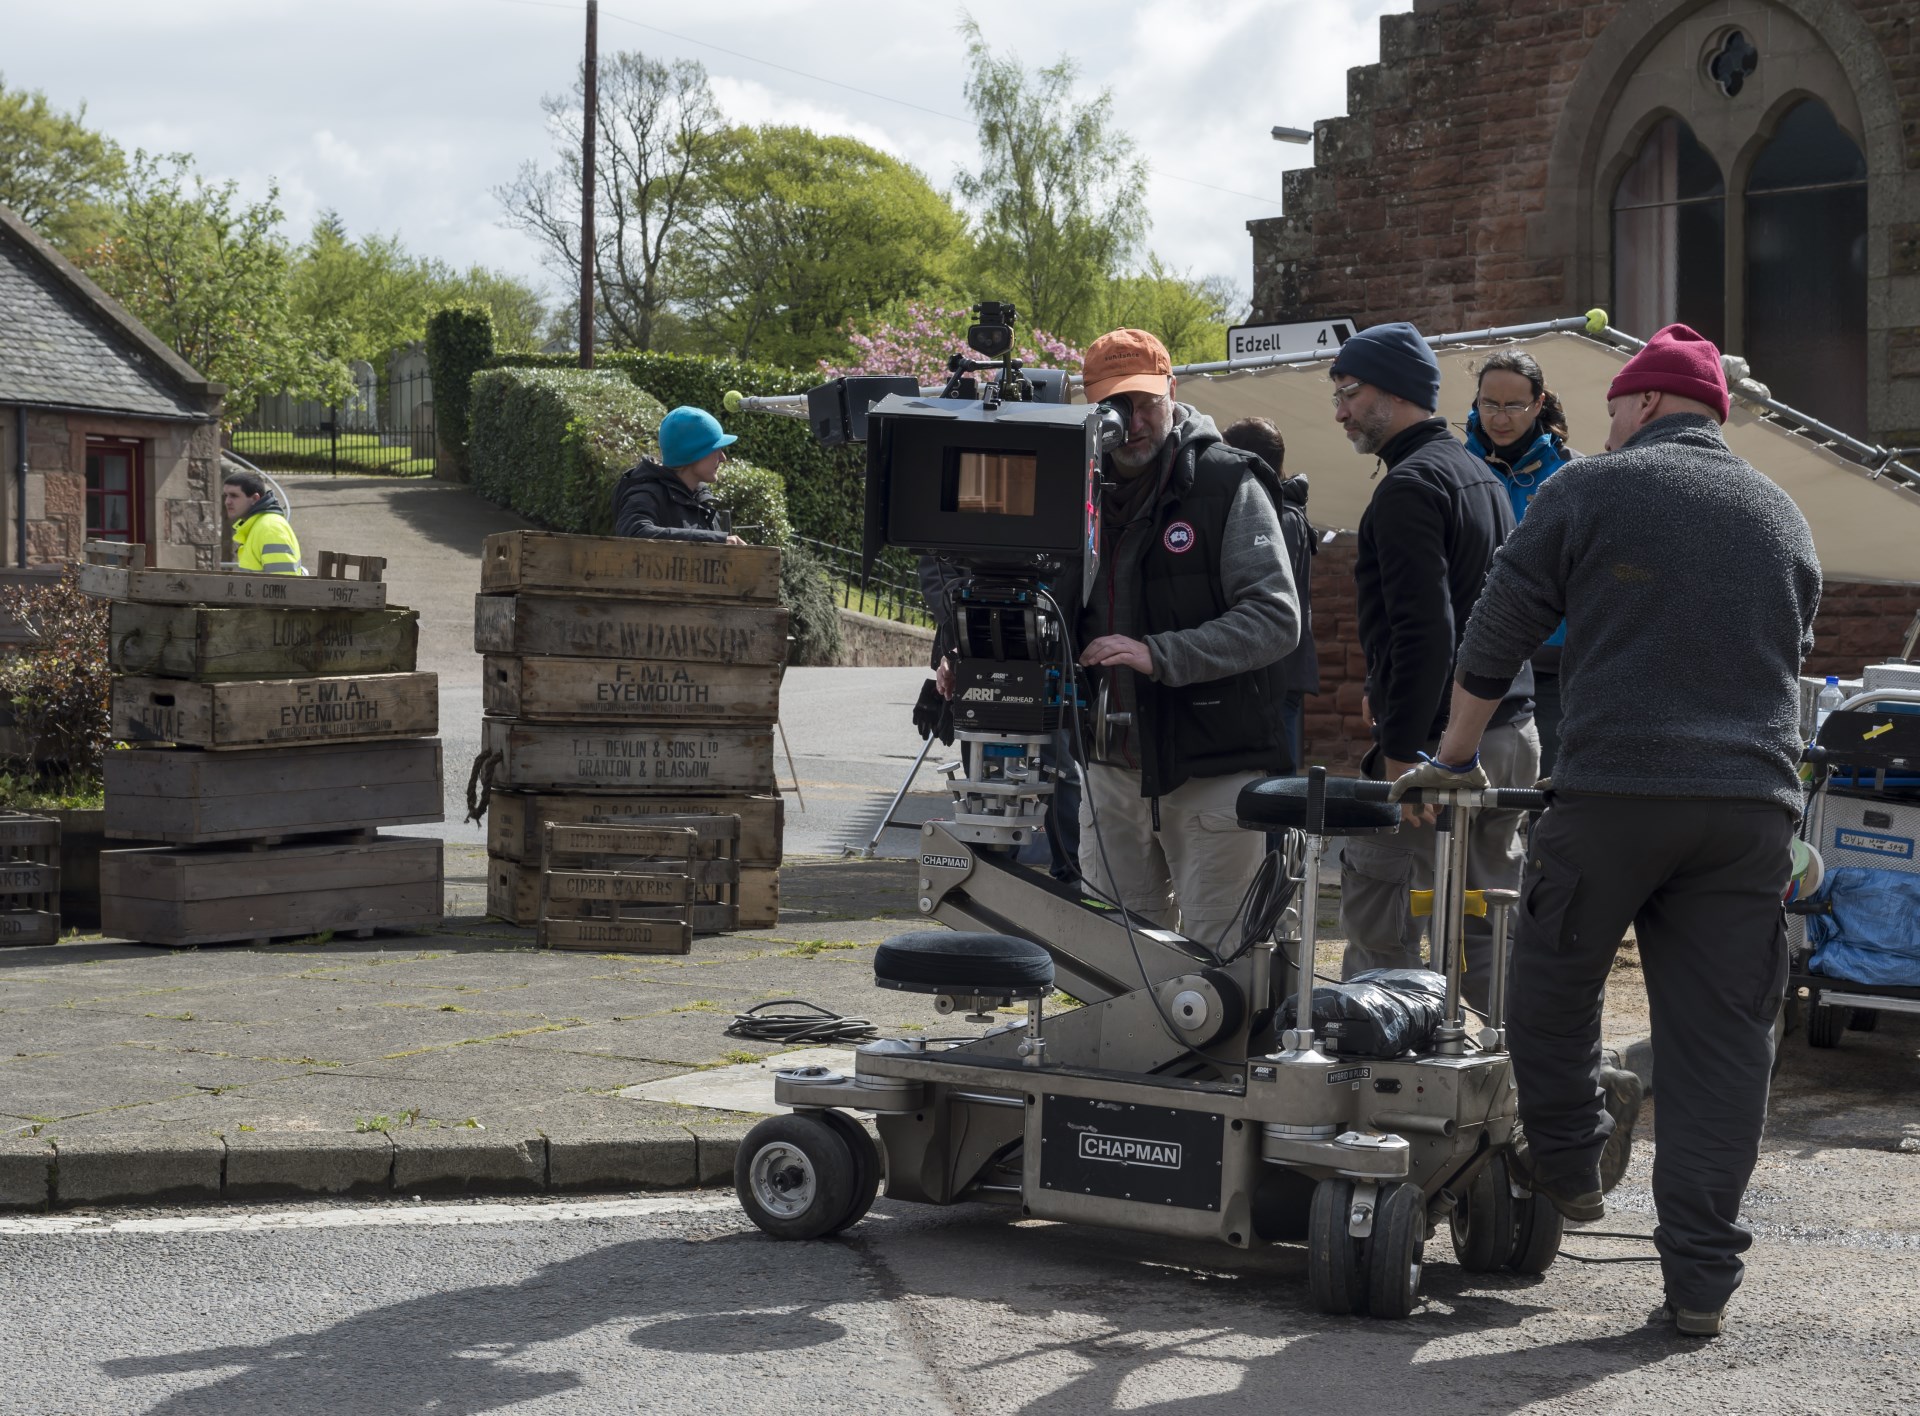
{"points": [[1670, 237], [1806, 267]]}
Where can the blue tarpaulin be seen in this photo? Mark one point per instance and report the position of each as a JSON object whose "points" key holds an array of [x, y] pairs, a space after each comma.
{"points": [[1873, 934]]}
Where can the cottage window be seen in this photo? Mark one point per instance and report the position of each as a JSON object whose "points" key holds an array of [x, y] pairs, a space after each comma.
{"points": [[116, 490]]}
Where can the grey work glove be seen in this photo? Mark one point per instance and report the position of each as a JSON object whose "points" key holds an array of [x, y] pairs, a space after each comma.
{"points": [[1436, 775]]}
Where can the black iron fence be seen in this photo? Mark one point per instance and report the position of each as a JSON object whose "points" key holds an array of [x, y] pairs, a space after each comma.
{"points": [[889, 591], [386, 425]]}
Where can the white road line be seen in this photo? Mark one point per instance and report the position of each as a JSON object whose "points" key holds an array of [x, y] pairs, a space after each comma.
{"points": [[374, 1217]]}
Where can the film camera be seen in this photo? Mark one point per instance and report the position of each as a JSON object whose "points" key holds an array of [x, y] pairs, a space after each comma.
{"points": [[998, 481]]}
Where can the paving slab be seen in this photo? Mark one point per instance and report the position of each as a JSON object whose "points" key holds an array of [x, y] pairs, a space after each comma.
{"points": [[261, 1165], [744, 1087]]}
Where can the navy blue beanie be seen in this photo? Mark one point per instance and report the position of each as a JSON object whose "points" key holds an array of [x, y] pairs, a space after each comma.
{"points": [[1395, 358]]}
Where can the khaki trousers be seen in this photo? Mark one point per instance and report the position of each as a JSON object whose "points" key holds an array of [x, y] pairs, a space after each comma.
{"points": [[1189, 875], [1376, 872]]}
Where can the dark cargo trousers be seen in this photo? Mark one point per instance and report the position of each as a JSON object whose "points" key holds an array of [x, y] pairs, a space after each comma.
{"points": [[1700, 882]]}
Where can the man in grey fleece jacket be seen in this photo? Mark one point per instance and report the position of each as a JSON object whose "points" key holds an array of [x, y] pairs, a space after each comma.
{"points": [[1689, 584], [1193, 611]]}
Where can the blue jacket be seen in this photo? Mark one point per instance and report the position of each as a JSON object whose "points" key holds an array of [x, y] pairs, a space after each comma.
{"points": [[1528, 472]]}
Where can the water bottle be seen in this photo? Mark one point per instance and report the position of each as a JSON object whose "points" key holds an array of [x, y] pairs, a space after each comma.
{"points": [[1828, 700]]}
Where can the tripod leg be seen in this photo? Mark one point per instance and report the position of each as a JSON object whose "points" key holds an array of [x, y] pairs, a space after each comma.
{"points": [[873, 844], [791, 772]]}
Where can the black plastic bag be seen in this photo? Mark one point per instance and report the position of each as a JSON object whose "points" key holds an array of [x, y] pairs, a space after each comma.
{"points": [[1383, 1013], [933, 714]]}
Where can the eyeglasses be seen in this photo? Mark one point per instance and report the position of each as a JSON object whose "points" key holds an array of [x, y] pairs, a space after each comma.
{"points": [[1347, 393], [1504, 410]]}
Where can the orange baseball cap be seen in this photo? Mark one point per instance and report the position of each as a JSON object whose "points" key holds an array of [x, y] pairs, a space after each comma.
{"points": [[1125, 361]]}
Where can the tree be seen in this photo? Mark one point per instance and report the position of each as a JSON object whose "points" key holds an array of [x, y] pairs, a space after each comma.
{"points": [[1056, 200], [1190, 316], [915, 339], [519, 311], [798, 234], [210, 276], [55, 172], [657, 132]]}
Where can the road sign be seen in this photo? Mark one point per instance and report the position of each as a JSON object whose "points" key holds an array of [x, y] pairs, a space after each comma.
{"points": [[1250, 343]]}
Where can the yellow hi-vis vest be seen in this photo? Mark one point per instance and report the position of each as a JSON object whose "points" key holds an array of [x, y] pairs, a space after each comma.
{"points": [[265, 541]]}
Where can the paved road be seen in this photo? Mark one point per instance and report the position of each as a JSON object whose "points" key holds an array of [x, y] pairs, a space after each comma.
{"points": [[850, 730], [674, 1304]]}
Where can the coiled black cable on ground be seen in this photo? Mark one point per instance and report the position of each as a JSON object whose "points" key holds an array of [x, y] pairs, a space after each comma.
{"points": [[816, 1025]]}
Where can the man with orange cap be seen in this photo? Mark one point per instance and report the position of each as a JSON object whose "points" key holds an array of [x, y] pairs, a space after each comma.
{"points": [[1688, 583], [1193, 611]]}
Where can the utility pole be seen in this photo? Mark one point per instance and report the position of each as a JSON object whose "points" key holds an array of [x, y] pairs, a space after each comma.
{"points": [[592, 87]]}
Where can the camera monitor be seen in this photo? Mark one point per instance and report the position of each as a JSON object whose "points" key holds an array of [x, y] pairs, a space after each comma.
{"points": [[1013, 485]]}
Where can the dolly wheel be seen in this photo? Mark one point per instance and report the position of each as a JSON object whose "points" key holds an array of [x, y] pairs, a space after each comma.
{"points": [[1825, 1023], [1482, 1223], [1537, 1228], [866, 1167], [795, 1176], [1336, 1261], [1396, 1250]]}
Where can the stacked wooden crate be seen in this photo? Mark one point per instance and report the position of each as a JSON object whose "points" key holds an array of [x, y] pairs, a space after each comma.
{"points": [[271, 724], [627, 679], [29, 879]]}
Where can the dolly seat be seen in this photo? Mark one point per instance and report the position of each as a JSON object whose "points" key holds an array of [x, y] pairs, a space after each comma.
{"points": [[1281, 802], [985, 965]]}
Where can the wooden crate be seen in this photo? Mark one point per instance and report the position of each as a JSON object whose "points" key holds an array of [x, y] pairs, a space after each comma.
{"points": [[513, 894], [630, 568], [514, 819], [187, 797], [198, 896], [29, 879], [229, 587], [281, 712], [544, 689], [623, 757], [259, 642], [639, 879], [584, 627]]}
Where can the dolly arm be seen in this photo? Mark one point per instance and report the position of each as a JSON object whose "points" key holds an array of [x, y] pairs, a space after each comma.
{"points": [[1093, 959]]}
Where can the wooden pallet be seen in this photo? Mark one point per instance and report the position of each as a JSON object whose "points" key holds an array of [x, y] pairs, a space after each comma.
{"points": [[29, 879], [626, 758], [213, 644], [515, 818], [274, 712], [186, 896], [584, 627], [548, 689], [630, 568], [187, 797]]}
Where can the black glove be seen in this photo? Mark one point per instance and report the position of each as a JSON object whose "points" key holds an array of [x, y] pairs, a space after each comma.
{"points": [[932, 714]]}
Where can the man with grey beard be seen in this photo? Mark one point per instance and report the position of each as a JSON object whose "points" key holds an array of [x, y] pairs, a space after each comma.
{"points": [[1193, 610], [1427, 539]]}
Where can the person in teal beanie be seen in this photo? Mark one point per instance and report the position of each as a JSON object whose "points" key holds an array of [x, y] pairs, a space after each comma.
{"points": [[668, 500], [1518, 428]]}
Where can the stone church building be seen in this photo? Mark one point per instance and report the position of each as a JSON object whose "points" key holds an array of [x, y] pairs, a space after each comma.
{"points": [[1749, 167]]}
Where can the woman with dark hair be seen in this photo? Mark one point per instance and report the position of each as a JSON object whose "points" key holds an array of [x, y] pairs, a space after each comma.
{"points": [[1518, 428]]}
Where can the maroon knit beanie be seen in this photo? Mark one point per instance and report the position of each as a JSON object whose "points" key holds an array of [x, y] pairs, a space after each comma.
{"points": [[1676, 360]]}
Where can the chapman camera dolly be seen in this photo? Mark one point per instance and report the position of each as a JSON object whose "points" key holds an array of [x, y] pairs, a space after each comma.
{"points": [[1190, 1095]]}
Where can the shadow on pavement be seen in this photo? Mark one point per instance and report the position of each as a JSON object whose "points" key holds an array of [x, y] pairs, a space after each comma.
{"points": [[1243, 1345]]}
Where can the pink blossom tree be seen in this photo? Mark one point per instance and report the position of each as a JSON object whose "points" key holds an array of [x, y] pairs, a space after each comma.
{"points": [[918, 342]]}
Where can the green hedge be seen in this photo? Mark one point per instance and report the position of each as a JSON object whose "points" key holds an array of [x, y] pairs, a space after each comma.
{"points": [[757, 500], [459, 345], [825, 489], [550, 443]]}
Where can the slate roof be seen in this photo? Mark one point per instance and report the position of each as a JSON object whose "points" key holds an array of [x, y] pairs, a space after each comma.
{"points": [[65, 343]]}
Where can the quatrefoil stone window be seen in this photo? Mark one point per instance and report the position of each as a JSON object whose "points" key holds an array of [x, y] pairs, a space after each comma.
{"points": [[1735, 62]]}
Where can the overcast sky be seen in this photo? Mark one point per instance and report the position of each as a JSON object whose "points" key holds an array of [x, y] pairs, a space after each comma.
{"points": [[404, 115]]}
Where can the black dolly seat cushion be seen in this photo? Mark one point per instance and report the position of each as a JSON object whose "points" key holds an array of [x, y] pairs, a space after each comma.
{"points": [[1281, 802], [942, 961]]}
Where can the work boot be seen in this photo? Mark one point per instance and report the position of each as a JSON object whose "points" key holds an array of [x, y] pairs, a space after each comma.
{"points": [[1625, 1091], [1577, 1202], [1691, 1322]]}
